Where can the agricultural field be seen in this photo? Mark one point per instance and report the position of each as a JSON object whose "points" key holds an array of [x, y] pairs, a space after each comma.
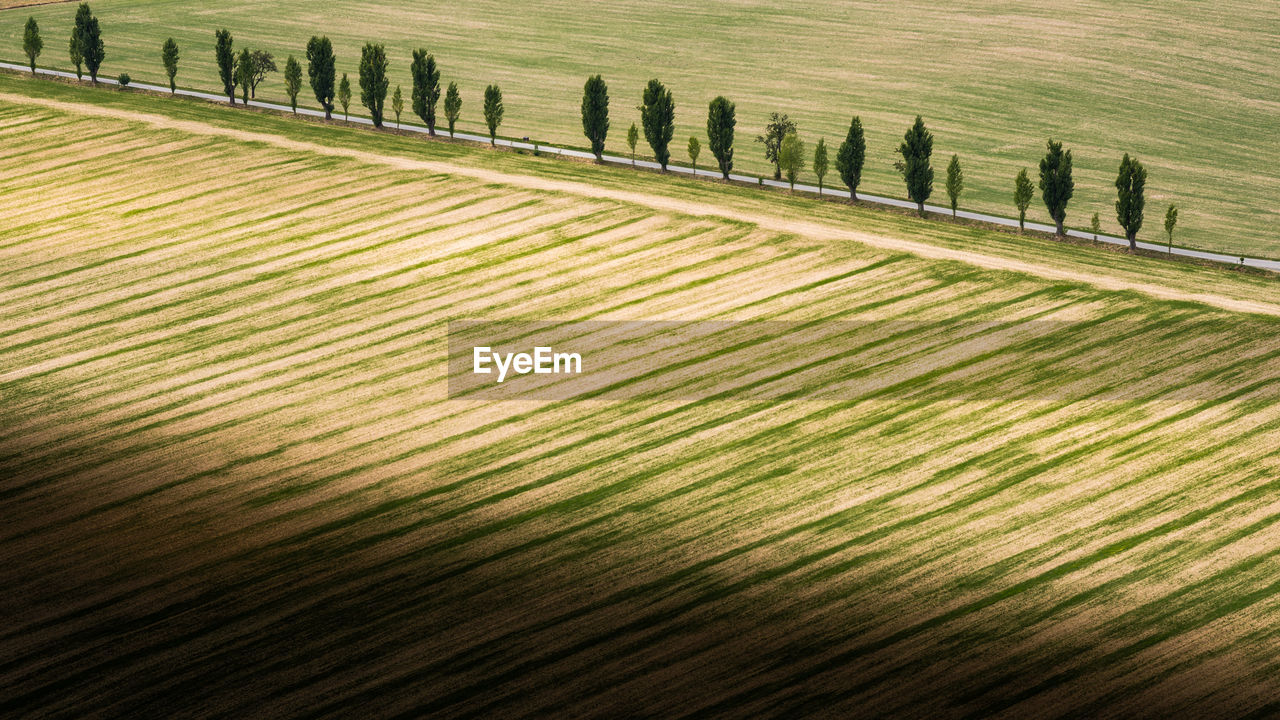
{"points": [[234, 484], [1189, 88]]}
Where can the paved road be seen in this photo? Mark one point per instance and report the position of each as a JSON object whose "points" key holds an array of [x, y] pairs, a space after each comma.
{"points": [[750, 179]]}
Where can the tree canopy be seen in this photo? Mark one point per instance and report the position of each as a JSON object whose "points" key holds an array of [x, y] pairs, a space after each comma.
{"points": [[88, 41], [820, 162], [791, 157], [225, 57], [778, 127], [720, 123], [397, 104], [916, 149], [426, 87], [344, 96], [261, 63], [292, 81], [1023, 192], [955, 183], [1131, 184], [244, 73], [493, 111], [169, 56], [595, 113], [373, 80], [633, 137], [452, 106], [851, 156], [1056, 185], [321, 72], [32, 43], [658, 117]]}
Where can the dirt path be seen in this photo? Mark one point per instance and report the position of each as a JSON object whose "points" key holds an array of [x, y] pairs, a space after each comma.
{"points": [[816, 230], [15, 4]]}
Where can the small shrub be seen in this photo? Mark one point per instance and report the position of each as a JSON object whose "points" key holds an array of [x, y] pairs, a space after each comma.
{"points": [[124, 80]]}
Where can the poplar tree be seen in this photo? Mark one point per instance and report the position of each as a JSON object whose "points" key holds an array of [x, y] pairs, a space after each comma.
{"points": [[344, 97], [791, 157], [169, 56], [452, 106], [1131, 185], [89, 41], [657, 116], [1170, 221], [32, 44], [493, 111], [73, 48], [720, 123], [1056, 185], [374, 82], [633, 137], [695, 149], [321, 73], [595, 113], [851, 156], [426, 87], [226, 60], [292, 81], [916, 149], [1023, 192], [955, 183], [244, 73], [820, 162], [397, 104]]}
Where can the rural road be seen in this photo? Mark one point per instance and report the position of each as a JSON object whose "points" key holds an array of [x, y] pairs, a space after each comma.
{"points": [[1266, 264]]}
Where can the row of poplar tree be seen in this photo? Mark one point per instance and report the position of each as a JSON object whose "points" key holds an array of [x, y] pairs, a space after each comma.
{"points": [[784, 149], [782, 146]]}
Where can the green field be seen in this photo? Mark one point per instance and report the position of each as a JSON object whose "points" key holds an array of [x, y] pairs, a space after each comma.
{"points": [[233, 485], [1189, 88]]}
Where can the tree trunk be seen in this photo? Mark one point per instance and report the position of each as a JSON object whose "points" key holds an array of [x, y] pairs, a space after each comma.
{"points": [[1058, 222], [777, 172], [853, 196], [328, 112], [1133, 241], [920, 208]]}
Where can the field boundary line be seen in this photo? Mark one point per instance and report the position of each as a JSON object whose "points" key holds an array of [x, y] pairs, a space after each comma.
{"points": [[777, 223]]}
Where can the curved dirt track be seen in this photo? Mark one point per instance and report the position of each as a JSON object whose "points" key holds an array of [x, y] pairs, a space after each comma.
{"points": [[780, 223]]}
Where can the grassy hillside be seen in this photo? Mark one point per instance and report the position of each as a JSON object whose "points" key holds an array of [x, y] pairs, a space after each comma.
{"points": [[1190, 89], [232, 480]]}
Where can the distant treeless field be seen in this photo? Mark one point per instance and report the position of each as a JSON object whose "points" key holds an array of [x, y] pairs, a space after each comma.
{"points": [[1190, 88]]}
